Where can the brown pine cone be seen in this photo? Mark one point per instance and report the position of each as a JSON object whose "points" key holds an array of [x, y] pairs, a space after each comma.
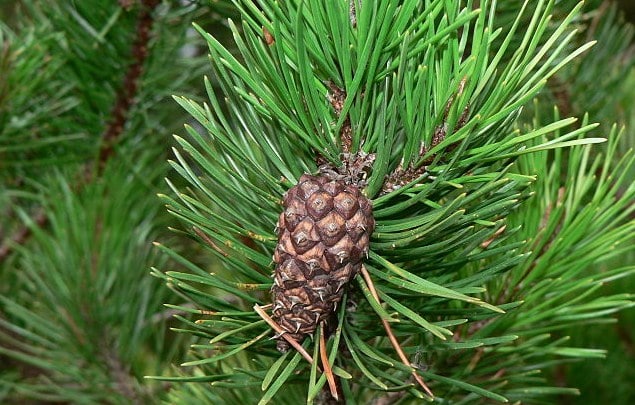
{"points": [[323, 236]]}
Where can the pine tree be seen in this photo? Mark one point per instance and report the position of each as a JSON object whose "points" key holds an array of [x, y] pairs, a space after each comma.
{"points": [[481, 133]]}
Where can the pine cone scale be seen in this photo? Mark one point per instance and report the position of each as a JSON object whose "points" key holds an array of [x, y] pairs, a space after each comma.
{"points": [[323, 236]]}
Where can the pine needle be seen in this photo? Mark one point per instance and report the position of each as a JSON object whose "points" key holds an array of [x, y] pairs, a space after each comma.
{"points": [[391, 335]]}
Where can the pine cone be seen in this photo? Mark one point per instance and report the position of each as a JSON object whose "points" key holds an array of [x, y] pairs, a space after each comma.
{"points": [[323, 236]]}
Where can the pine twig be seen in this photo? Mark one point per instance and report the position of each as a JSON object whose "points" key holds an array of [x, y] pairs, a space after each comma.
{"points": [[119, 114], [282, 333], [391, 335], [323, 355], [125, 98], [327, 366]]}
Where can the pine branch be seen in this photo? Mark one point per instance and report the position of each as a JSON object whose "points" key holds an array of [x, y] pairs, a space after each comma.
{"points": [[123, 103], [126, 96], [395, 87], [464, 284], [80, 310], [85, 330]]}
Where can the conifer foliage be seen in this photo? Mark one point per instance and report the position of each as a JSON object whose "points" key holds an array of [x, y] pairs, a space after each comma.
{"points": [[82, 113], [372, 202], [472, 289]]}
